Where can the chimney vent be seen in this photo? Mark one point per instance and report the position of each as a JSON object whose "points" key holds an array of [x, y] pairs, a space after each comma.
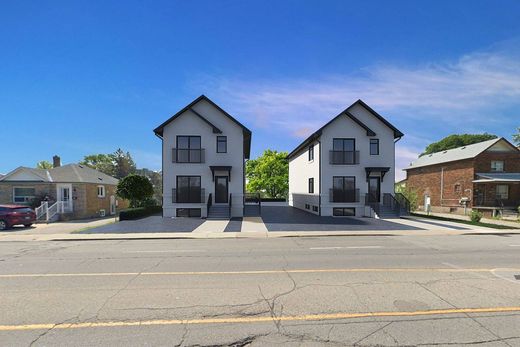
{"points": [[56, 161]]}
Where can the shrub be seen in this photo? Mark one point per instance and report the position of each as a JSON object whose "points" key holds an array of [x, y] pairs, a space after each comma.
{"points": [[475, 216], [139, 212]]}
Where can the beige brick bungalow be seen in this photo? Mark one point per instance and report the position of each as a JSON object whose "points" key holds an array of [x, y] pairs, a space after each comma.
{"points": [[82, 191]]}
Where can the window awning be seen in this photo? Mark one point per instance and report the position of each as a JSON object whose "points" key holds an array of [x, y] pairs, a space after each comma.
{"points": [[382, 171], [497, 177], [220, 168]]}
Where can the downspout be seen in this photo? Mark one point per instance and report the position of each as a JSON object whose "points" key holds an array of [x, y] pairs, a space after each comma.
{"points": [[442, 184], [319, 178]]}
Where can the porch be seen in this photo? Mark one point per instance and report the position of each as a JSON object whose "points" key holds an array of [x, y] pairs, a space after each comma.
{"points": [[497, 194]]}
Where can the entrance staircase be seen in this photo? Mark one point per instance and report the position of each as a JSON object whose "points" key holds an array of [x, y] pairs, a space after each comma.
{"points": [[393, 206], [51, 213], [219, 212]]}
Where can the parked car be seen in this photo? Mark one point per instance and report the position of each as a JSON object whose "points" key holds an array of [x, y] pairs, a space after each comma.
{"points": [[16, 215]]}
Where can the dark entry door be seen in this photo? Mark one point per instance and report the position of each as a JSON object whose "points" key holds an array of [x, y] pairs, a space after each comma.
{"points": [[374, 189], [221, 189]]}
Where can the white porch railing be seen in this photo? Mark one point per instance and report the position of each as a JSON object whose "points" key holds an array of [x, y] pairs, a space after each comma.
{"points": [[46, 212]]}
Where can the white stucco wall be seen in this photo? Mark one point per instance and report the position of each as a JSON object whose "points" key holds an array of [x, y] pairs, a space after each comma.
{"points": [[190, 124], [344, 127], [300, 170]]}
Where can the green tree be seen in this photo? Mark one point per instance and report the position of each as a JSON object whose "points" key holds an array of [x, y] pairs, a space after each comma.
{"points": [[457, 140], [118, 164], [516, 137], [137, 189], [44, 164], [100, 162], [123, 162], [269, 173]]}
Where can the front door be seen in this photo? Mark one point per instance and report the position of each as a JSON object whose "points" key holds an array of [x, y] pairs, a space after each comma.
{"points": [[64, 195], [374, 189], [221, 189], [112, 205]]}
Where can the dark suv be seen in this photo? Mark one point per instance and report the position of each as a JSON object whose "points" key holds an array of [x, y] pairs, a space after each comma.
{"points": [[16, 214]]}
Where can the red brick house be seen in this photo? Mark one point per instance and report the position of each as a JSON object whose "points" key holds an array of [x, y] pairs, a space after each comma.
{"points": [[485, 174]]}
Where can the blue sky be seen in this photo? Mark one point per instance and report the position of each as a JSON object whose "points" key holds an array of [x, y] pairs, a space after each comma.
{"points": [[83, 77]]}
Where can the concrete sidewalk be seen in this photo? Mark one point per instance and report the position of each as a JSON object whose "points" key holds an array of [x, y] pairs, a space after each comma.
{"points": [[58, 227], [249, 234]]}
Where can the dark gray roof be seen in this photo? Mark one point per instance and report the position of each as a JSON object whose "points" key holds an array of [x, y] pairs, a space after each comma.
{"points": [[247, 133], [369, 132], [70, 173]]}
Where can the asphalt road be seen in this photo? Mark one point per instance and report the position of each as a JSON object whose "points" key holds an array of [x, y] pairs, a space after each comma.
{"points": [[364, 291]]}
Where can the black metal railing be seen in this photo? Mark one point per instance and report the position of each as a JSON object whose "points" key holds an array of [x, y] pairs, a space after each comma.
{"points": [[343, 195], [403, 202], [193, 196], [372, 201], [343, 157], [210, 201], [230, 203], [181, 155], [390, 202]]}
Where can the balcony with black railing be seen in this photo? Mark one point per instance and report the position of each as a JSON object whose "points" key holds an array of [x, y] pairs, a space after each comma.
{"points": [[343, 195], [182, 155], [189, 196], [344, 157]]}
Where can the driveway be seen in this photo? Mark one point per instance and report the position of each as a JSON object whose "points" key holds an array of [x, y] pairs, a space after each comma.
{"points": [[152, 224], [287, 218]]}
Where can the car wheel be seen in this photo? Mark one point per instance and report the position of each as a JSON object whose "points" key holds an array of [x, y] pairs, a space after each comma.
{"points": [[3, 225], [27, 225]]}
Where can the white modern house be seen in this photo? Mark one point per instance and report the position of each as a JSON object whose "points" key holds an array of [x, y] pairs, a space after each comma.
{"points": [[346, 168], [203, 162]]}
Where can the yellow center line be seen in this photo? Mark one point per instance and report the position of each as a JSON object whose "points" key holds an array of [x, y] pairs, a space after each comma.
{"points": [[307, 317], [254, 272]]}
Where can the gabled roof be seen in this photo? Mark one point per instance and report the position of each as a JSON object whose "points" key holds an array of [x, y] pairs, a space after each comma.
{"points": [[71, 173], [247, 133], [347, 113], [455, 154]]}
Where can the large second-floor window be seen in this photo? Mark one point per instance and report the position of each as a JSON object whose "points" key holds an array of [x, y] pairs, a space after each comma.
{"points": [[188, 149], [344, 152], [188, 189], [497, 165]]}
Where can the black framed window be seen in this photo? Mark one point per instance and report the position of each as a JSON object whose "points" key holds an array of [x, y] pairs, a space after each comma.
{"points": [[221, 144], [307, 206], [344, 189], [189, 189], [374, 146], [311, 152], [315, 208], [188, 149], [344, 145], [344, 211], [311, 185]]}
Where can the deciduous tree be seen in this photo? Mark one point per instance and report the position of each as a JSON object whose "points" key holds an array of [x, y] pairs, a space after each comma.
{"points": [[269, 173], [137, 189], [44, 164]]}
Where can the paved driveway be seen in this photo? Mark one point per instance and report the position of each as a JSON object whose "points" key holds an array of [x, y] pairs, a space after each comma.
{"points": [[287, 218], [153, 224]]}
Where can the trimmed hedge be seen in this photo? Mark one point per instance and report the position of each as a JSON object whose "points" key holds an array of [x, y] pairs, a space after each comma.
{"points": [[273, 199], [139, 212]]}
